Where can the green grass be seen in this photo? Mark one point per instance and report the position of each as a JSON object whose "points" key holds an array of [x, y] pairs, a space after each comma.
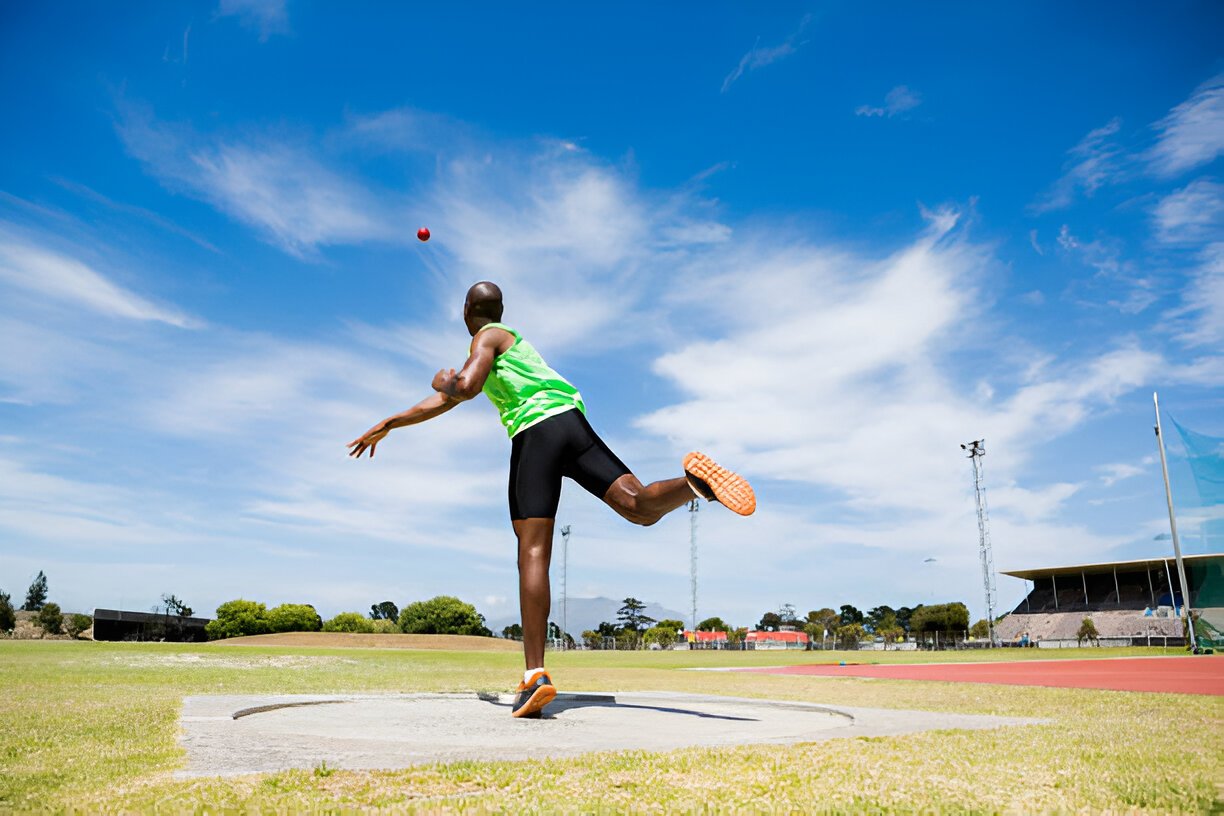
{"points": [[92, 727]]}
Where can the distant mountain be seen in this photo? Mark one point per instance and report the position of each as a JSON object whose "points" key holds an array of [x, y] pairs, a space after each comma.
{"points": [[588, 613]]}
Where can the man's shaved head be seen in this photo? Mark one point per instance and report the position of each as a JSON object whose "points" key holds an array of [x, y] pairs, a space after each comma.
{"points": [[483, 303]]}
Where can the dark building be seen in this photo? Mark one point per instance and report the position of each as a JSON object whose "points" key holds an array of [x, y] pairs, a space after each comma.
{"points": [[114, 624]]}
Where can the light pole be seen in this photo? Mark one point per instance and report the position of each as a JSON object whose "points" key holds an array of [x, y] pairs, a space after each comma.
{"points": [[565, 535], [976, 450], [693, 560]]}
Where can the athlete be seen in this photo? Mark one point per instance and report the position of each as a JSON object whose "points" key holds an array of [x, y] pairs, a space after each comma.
{"points": [[550, 438]]}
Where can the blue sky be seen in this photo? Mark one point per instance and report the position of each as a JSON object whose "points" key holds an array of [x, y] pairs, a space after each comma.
{"points": [[825, 243]]}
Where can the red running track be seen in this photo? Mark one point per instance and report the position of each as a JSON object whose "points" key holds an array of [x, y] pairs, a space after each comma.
{"points": [[1171, 675]]}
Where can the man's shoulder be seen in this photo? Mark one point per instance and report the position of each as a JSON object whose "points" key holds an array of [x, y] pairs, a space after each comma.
{"points": [[495, 336]]}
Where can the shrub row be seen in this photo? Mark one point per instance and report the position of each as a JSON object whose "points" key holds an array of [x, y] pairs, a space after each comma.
{"points": [[443, 615]]}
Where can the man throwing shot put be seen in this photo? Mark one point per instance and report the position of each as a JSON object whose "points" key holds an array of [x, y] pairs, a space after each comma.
{"points": [[550, 438]]}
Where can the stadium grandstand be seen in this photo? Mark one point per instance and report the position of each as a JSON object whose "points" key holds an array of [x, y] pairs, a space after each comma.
{"points": [[1130, 602]]}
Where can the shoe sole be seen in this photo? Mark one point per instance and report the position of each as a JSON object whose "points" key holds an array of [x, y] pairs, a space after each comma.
{"points": [[730, 489], [542, 697]]}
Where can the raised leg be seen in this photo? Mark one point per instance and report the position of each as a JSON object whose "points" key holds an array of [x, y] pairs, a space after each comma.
{"points": [[646, 504], [535, 537]]}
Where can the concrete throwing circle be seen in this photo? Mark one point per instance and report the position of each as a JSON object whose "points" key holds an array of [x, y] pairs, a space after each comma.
{"points": [[226, 735]]}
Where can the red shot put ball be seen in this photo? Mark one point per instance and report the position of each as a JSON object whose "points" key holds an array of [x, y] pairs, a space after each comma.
{"points": [[423, 233]]}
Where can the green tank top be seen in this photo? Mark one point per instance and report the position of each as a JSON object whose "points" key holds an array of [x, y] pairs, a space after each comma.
{"points": [[522, 387]]}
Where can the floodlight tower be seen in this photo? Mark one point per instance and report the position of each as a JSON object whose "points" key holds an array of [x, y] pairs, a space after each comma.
{"points": [[693, 558], [565, 535], [976, 450]]}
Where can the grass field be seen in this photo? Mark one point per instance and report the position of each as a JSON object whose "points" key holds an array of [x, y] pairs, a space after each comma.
{"points": [[92, 727]]}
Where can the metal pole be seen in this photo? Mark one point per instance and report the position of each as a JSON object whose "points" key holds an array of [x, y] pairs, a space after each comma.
{"points": [[565, 535], [976, 450], [693, 505], [1181, 569], [1054, 583], [1117, 591]]}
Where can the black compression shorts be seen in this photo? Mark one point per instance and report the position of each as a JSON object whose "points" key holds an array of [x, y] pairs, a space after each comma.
{"points": [[562, 445]]}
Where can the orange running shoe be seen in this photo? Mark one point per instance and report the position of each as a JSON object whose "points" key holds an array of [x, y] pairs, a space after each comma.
{"points": [[719, 484], [530, 698]]}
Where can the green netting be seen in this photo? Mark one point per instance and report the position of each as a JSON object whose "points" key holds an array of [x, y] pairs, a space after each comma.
{"points": [[1199, 500]]}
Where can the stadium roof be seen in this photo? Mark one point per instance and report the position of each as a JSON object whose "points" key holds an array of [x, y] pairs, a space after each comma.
{"points": [[1106, 566]]}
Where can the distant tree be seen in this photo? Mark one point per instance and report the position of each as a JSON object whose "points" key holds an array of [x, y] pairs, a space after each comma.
{"points": [[76, 624], [770, 622], [788, 616], [825, 618], [903, 616], [632, 617], [384, 611], [949, 617], [850, 615], [627, 639], [555, 633], [443, 615], [514, 631], [663, 636], [881, 617], [849, 635], [1088, 632], [981, 629], [238, 618], [736, 636], [8, 617], [51, 619], [608, 629], [385, 627], [671, 623], [350, 622], [174, 606], [713, 625], [36, 595], [891, 634], [294, 618]]}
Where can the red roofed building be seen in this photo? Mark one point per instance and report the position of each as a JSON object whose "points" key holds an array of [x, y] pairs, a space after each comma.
{"points": [[777, 640], [705, 640]]}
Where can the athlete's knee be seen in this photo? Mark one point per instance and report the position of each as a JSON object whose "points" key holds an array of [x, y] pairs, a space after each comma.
{"points": [[633, 509]]}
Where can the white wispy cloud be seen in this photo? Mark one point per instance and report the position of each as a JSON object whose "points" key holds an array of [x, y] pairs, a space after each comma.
{"points": [[1201, 315], [1115, 472], [759, 57], [1192, 215], [140, 212], [281, 189], [1192, 134], [1093, 162], [61, 278], [268, 17], [1117, 281], [898, 101]]}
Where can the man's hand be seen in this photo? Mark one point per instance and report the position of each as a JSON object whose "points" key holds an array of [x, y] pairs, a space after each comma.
{"points": [[444, 381], [369, 439]]}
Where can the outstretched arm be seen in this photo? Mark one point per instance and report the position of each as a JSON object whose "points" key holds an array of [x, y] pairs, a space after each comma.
{"points": [[451, 389], [428, 408]]}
